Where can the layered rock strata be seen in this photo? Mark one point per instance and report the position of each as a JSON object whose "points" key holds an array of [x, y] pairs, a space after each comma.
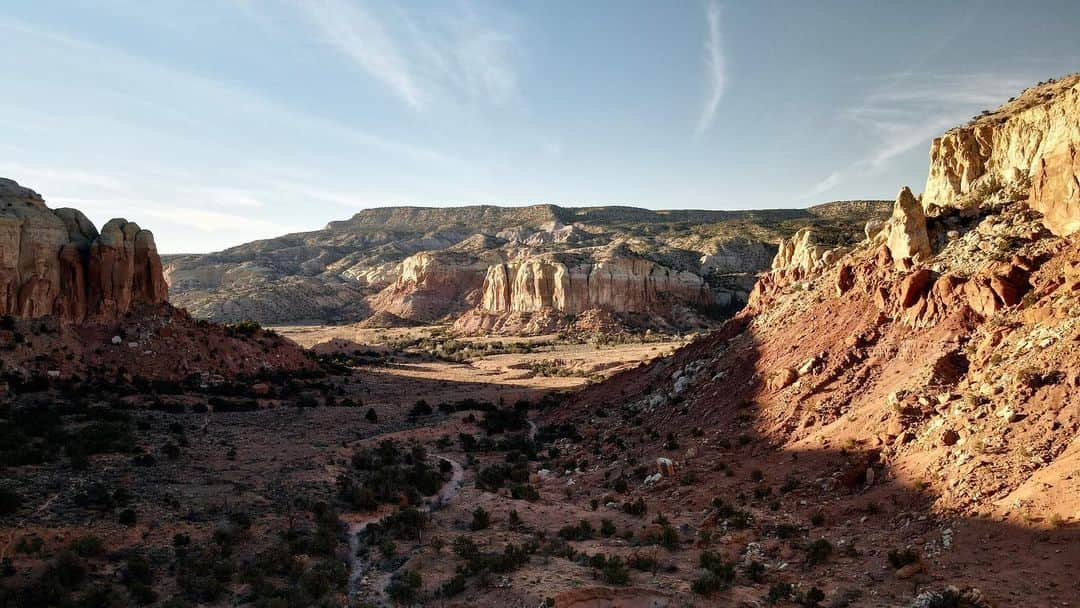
{"points": [[54, 262], [1027, 147]]}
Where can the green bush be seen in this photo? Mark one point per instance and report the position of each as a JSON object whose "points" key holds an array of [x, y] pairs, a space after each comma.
{"points": [[404, 587], [582, 531], [614, 571], [481, 519], [607, 528], [818, 552]]}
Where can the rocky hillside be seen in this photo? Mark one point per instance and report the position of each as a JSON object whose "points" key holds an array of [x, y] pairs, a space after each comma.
{"points": [[75, 302], [54, 262], [910, 405], [402, 265]]}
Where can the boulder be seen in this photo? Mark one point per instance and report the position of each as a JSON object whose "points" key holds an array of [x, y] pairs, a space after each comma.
{"points": [[783, 378]]}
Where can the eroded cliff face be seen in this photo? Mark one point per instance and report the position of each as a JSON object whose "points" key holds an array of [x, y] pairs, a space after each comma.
{"points": [[54, 262], [432, 285], [573, 283], [1028, 145]]}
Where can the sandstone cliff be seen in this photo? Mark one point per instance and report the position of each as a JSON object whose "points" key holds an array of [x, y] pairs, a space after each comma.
{"points": [[432, 285], [1030, 146], [613, 279], [617, 282], [54, 262]]}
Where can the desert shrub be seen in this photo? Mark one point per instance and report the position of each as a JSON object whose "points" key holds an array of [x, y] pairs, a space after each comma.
{"points": [[454, 585], [202, 576], [898, 558], [708, 584], [582, 531], [755, 571], [719, 574], [468, 442], [171, 451], [779, 592], [385, 473], [403, 523], [667, 537], [404, 587], [607, 528], [102, 596], [524, 491], [614, 571], [10, 501], [69, 570], [143, 594], [481, 519], [371, 416], [818, 552], [127, 517], [88, 546], [504, 420], [245, 328], [812, 597], [420, 408], [636, 507], [644, 563], [493, 477], [137, 570], [477, 562]]}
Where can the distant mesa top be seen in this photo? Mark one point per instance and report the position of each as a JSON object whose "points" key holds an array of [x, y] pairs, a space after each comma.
{"points": [[55, 262]]}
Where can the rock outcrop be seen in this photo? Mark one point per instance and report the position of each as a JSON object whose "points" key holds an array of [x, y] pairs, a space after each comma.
{"points": [[54, 262], [432, 285], [905, 233], [1028, 147], [801, 253], [572, 283], [796, 259]]}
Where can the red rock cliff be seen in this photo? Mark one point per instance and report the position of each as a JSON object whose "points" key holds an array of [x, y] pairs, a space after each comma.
{"points": [[54, 262]]}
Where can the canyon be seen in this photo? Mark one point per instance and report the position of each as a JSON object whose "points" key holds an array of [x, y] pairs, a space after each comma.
{"points": [[488, 268], [867, 404]]}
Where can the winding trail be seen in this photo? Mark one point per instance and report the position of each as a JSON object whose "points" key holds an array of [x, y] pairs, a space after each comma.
{"points": [[358, 566]]}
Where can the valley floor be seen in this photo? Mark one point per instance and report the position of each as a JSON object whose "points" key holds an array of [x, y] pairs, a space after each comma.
{"points": [[420, 469]]}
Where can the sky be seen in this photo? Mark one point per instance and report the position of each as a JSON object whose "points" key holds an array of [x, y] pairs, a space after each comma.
{"points": [[214, 123]]}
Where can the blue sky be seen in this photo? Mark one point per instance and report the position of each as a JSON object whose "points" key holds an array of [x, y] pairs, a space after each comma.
{"points": [[215, 123]]}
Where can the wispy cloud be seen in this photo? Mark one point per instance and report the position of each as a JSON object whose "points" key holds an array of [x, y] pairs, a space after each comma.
{"points": [[138, 81], [360, 36], [420, 60], [905, 111], [715, 72]]}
